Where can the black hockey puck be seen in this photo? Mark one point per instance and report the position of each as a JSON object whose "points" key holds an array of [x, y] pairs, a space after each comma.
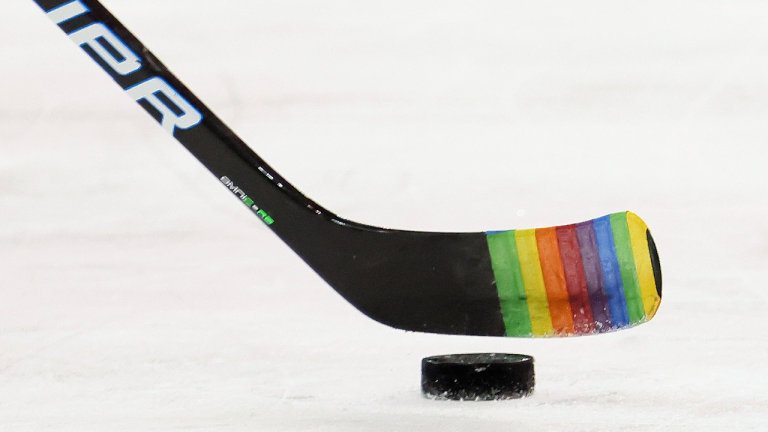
{"points": [[487, 376]]}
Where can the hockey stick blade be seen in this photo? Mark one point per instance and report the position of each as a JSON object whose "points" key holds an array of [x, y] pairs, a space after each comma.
{"points": [[584, 278]]}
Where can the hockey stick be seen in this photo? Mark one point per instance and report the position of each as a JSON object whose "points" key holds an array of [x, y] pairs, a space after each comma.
{"points": [[590, 277]]}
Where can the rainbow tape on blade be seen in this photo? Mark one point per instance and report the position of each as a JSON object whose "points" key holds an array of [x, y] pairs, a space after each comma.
{"points": [[589, 277]]}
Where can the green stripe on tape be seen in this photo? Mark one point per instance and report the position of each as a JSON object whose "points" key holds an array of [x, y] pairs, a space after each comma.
{"points": [[509, 283], [628, 269]]}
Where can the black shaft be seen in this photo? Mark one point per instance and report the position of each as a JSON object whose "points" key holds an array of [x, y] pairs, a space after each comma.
{"points": [[418, 281]]}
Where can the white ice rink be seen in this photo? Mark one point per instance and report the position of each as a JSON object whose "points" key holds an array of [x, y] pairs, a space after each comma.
{"points": [[137, 295]]}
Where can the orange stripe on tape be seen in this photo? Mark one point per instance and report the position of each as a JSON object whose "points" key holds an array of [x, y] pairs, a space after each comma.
{"points": [[554, 280]]}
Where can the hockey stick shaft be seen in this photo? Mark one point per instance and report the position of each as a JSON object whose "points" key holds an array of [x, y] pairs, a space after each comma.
{"points": [[146, 80]]}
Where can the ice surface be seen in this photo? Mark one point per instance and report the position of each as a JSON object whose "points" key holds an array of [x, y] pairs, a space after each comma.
{"points": [[135, 294]]}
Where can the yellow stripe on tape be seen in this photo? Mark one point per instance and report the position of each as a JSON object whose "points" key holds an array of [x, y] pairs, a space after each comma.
{"points": [[530, 266], [639, 239]]}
